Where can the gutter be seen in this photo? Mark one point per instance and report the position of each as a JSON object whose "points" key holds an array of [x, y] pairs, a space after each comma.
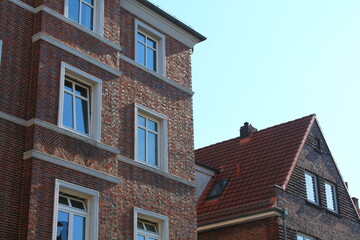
{"points": [[273, 212]]}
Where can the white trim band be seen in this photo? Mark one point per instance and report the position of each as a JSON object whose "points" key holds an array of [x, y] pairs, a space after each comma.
{"points": [[63, 18], [42, 36], [155, 170], [239, 220], [155, 74], [71, 165], [57, 129]]}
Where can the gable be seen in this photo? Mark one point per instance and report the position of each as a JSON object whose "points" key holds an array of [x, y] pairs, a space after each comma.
{"points": [[315, 158]]}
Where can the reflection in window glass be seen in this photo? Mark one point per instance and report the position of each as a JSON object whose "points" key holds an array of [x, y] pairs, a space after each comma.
{"points": [[146, 51], [148, 141], [62, 226], [76, 112], [82, 12], [79, 228]]}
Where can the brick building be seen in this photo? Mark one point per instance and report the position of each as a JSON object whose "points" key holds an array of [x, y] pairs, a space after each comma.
{"points": [[96, 125], [277, 183]]}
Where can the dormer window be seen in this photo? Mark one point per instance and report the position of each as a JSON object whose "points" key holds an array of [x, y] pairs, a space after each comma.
{"points": [[218, 188]]}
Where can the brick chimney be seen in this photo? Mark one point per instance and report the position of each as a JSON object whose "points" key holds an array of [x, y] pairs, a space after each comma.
{"points": [[246, 130]]}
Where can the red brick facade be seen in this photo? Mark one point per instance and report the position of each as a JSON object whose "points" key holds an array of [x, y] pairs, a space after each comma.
{"points": [[36, 41]]}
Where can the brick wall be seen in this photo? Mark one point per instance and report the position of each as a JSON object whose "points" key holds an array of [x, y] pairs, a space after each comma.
{"points": [[309, 218], [30, 81]]}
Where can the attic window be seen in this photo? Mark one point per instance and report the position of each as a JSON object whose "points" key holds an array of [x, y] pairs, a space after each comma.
{"points": [[218, 188]]}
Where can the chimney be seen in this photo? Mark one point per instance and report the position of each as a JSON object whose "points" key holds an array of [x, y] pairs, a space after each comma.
{"points": [[246, 130], [356, 202]]}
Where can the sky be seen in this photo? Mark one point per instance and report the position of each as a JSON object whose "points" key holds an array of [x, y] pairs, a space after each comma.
{"points": [[268, 62]]}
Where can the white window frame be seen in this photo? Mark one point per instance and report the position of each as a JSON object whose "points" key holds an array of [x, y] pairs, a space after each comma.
{"points": [[1, 44], [159, 38], [95, 85], [98, 17], [314, 186], [334, 197], [92, 199], [161, 221], [304, 237], [162, 136]]}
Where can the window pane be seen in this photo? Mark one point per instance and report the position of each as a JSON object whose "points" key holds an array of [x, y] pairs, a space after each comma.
{"points": [[82, 124], [91, 2], [140, 237], [142, 121], [63, 200], [68, 86], [140, 225], [151, 59], [141, 144], [68, 111], [74, 10], [310, 188], [152, 149], [79, 228], [77, 204], [87, 16], [140, 53], [141, 37], [150, 238], [330, 202], [300, 238], [62, 226], [152, 125], [81, 91], [150, 228], [151, 43]]}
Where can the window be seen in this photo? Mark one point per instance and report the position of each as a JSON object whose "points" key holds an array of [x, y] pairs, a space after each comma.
{"points": [[151, 142], [1, 43], [301, 236], [80, 102], [150, 226], [88, 13], [149, 48], [311, 188], [75, 212], [146, 51], [330, 192], [218, 188]]}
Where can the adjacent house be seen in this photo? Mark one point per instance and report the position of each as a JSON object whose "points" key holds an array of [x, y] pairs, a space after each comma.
{"points": [[96, 126], [276, 183]]}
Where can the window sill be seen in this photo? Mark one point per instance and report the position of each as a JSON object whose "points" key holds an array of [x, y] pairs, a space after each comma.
{"points": [[314, 205], [336, 214]]}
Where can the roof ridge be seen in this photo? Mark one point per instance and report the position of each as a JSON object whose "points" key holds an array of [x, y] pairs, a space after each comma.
{"points": [[265, 129]]}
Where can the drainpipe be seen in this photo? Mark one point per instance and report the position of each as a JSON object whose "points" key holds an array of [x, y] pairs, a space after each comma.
{"points": [[284, 216]]}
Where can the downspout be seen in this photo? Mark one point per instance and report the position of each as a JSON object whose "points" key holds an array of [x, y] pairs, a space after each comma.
{"points": [[284, 216]]}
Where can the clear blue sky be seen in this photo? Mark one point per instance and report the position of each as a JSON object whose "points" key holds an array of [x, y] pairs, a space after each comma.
{"points": [[269, 62]]}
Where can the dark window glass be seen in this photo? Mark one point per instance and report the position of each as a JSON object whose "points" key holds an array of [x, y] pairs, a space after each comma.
{"points": [[218, 188]]}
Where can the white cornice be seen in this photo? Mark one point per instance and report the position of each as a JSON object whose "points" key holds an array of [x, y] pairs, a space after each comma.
{"points": [[57, 129], [71, 165], [155, 74], [154, 19], [65, 19], [42, 36], [155, 170], [239, 220]]}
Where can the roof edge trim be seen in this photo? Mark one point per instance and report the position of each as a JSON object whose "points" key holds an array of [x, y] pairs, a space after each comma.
{"points": [[273, 212], [303, 141]]}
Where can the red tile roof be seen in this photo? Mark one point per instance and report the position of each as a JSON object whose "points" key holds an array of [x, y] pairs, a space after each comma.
{"points": [[254, 165]]}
